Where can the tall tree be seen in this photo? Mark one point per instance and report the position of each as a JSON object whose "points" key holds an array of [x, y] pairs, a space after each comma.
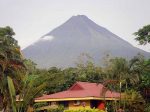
{"points": [[12, 68], [143, 35], [126, 72]]}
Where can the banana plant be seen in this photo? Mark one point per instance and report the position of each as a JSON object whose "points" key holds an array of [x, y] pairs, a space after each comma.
{"points": [[25, 98]]}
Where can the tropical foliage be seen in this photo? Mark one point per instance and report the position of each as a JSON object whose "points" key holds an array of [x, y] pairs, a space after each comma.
{"points": [[85, 110], [21, 81], [143, 35], [12, 68], [13, 76]]}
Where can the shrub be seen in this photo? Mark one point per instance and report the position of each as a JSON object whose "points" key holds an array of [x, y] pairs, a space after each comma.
{"points": [[46, 108], [147, 107], [59, 109], [38, 105], [84, 110]]}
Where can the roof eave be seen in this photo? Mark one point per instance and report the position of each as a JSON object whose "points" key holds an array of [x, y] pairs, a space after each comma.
{"points": [[70, 99]]}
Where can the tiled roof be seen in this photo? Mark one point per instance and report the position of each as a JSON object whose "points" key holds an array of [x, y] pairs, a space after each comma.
{"points": [[82, 90]]}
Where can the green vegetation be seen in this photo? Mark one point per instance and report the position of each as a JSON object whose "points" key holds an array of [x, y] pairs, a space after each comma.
{"points": [[59, 109], [12, 68], [14, 77], [40, 107], [20, 77], [84, 110], [143, 35]]}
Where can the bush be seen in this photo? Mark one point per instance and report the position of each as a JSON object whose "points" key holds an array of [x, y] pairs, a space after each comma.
{"points": [[41, 104], [147, 108], [46, 108], [134, 101], [84, 110], [59, 109]]}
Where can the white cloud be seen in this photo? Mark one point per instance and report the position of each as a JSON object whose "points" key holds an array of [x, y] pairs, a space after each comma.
{"points": [[49, 38]]}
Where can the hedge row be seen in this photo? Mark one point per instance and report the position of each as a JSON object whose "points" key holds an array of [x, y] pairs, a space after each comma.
{"points": [[84, 110]]}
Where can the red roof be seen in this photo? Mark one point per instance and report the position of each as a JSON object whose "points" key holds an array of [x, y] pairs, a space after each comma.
{"points": [[82, 90]]}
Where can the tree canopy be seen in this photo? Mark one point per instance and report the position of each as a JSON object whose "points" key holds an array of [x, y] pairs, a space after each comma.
{"points": [[11, 67], [143, 35], [20, 76]]}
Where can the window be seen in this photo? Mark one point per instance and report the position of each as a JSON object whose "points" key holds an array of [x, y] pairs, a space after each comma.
{"points": [[53, 103], [76, 102]]}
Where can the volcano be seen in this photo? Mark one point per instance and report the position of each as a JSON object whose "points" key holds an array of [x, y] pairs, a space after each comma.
{"points": [[62, 46]]}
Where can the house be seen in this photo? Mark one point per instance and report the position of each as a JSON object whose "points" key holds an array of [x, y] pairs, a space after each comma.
{"points": [[81, 95]]}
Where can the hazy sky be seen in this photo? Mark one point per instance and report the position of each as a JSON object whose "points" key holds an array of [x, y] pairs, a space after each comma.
{"points": [[31, 19]]}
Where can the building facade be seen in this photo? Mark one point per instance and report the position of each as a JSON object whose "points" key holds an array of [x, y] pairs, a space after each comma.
{"points": [[81, 95]]}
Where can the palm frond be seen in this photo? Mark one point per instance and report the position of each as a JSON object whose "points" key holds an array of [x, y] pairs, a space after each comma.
{"points": [[12, 93]]}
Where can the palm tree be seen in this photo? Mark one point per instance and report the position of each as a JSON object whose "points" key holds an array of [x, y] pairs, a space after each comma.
{"points": [[126, 73], [31, 88]]}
